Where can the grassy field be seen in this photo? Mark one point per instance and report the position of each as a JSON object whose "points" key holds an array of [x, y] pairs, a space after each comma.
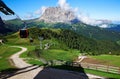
{"points": [[103, 74], [5, 53], [50, 54], [31, 59], [57, 51], [113, 60], [55, 54], [58, 54]]}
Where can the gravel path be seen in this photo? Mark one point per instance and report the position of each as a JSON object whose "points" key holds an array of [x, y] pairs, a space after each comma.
{"points": [[18, 62], [35, 72], [27, 71]]}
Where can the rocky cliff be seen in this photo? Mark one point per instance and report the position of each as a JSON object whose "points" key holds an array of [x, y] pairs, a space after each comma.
{"points": [[57, 14]]}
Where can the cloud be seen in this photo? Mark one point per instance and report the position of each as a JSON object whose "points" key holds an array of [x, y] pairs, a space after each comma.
{"points": [[104, 26], [29, 15], [63, 4], [86, 19], [80, 15], [41, 10]]}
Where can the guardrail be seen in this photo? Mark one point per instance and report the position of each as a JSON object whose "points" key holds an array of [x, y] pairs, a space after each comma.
{"points": [[98, 67]]}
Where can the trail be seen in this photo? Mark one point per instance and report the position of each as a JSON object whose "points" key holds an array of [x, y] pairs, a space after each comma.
{"points": [[18, 62], [28, 71]]}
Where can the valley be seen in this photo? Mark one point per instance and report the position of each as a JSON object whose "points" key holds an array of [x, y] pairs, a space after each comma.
{"points": [[59, 42], [62, 48]]}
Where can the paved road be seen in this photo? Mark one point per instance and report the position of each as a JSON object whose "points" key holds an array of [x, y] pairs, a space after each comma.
{"points": [[28, 71]]}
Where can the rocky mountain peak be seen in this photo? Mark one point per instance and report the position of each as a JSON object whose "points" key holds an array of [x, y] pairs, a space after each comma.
{"points": [[57, 14]]}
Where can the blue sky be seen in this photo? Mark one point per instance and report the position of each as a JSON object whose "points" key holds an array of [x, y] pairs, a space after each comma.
{"points": [[95, 9]]}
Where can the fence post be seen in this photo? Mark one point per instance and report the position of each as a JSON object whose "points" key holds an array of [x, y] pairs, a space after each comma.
{"points": [[87, 65], [119, 71], [108, 68], [96, 67]]}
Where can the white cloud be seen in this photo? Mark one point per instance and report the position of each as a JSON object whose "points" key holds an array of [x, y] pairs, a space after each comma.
{"points": [[29, 16], [81, 16], [63, 4], [104, 26], [76, 9], [86, 19], [41, 10]]}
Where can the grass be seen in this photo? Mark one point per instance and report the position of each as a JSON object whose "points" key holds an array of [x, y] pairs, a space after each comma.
{"points": [[25, 54], [5, 53], [34, 62], [108, 58], [103, 74], [31, 59], [50, 54], [58, 54]]}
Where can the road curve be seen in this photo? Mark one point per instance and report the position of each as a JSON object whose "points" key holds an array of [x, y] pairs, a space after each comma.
{"points": [[18, 62], [28, 71]]}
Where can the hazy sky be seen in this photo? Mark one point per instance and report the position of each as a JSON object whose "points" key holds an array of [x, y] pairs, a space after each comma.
{"points": [[95, 9]]}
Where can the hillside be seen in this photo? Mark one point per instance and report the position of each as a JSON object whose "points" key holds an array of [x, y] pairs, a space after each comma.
{"points": [[114, 27], [3, 29], [64, 39], [80, 28]]}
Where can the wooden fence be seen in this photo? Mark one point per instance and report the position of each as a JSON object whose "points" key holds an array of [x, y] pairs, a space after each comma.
{"points": [[98, 67]]}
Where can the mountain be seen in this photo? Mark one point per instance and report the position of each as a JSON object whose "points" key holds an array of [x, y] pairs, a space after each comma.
{"points": [[57, 14], [3, 29], [55, 17], [114, 27], [90, 31], [79, 27]]}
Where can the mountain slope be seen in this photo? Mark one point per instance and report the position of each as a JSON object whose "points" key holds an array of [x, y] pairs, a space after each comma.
{"points": [[114, 27], [80, 28], [66, 39], [76, 41], [3, 29], [90, 31]]}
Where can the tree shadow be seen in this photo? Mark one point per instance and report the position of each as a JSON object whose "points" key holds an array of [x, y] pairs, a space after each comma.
{"points": [[62, 72], [4, 74]]}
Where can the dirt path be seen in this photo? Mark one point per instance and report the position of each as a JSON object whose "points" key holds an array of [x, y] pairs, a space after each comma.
{"points": [[18, 62], [28, 71]]}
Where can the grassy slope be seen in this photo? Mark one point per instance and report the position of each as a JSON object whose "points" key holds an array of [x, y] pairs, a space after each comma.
{"points": [[56, 51], [103, 74], [48, 55], [58, 54], [5, 53], [109, 59]]}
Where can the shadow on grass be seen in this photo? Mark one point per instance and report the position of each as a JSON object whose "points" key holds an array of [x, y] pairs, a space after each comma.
{"points": [[4, 74], [61, 72]]}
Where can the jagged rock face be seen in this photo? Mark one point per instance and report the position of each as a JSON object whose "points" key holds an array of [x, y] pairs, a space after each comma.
{"points": [[56, 14]]}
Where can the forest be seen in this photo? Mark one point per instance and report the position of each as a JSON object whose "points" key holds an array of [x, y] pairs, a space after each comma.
{"points": [[76, 41]]}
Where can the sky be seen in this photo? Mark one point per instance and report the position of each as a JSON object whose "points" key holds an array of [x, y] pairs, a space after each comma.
{"points": [[85, 9]]}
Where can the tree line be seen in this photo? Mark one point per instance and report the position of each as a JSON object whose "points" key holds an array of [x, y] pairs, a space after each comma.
{"points": [[79, 42]]}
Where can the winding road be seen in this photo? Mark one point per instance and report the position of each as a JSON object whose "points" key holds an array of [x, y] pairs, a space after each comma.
{"points": [[28, 71]]}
